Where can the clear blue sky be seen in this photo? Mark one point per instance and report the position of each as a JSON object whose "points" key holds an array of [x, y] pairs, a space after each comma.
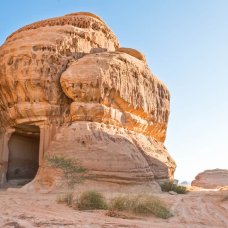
{"points": [[186, 45]]}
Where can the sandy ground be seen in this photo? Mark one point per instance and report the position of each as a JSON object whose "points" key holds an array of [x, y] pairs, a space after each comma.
{"points": [[195, 209]]}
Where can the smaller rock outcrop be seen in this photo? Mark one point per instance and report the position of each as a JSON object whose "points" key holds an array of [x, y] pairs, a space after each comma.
{"points": [[211, 178]]}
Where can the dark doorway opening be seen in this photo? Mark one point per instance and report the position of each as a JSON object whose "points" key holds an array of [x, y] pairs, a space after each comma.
{"points": [[23, 159]]}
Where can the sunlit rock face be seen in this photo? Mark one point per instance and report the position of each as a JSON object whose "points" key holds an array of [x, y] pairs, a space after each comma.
{"points": [[33, 59], [91, 99], [210, 179]]}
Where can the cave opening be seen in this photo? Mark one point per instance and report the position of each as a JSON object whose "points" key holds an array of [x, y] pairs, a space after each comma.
{"points": [[23, 161]]}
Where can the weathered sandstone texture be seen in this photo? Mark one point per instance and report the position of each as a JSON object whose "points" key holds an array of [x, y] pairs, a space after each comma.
{"points": [[67, 83], [213, 178]]}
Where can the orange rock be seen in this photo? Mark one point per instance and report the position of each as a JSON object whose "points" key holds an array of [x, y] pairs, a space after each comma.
{"points": [[66, 83], [132, 52]]}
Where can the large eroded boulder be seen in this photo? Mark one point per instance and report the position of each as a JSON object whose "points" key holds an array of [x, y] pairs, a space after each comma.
{"points": [[213, 178], [91, 100]]}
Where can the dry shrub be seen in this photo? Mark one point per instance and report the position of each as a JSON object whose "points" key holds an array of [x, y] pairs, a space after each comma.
{"points": [[169, 186], [141, 205], [120, 203], [91, 200]]}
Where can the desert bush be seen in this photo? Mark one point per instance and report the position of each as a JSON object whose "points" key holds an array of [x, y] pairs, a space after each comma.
{"points": [[179, 189], [141, 204], [72, 170], [169, 186], [147, 205], [120, 203], [91, 200], [66, 199]]}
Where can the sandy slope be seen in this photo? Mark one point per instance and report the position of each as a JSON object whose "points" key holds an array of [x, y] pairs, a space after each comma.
{"points": [[195, 209]]}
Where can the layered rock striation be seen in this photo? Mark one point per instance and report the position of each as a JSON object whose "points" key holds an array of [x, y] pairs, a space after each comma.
{"points": [[90, 98], [33, 59], [210, 179]]}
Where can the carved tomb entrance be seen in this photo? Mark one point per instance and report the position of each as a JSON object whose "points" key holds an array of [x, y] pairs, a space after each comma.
{"points": [[23, 160]]}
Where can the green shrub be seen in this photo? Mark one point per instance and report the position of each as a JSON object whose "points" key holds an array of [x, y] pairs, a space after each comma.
{"points": [[179, 189], [142, 205], [72, 170], [169, 186], [91, 200]]}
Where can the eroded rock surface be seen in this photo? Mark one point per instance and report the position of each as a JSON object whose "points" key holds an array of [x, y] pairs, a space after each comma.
{"points": [[33, 59], [213, 178], [123, 87], [91, 99]]}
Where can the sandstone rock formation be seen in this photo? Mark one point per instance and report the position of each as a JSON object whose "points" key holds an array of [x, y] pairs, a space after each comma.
{"points": [[213, 178], [66, 83]]}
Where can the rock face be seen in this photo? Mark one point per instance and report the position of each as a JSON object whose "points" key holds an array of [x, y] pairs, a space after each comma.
{"points": [[211, 178], [67, 82]]}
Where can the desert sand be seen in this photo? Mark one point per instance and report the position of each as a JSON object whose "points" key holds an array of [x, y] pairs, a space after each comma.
{"points": [[201, 208]]}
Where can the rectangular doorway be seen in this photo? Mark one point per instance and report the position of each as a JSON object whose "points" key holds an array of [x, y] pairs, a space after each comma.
{"points": [[23, 162]]}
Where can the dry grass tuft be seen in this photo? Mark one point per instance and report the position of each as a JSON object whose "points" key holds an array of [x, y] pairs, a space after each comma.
{"points": [[91, 200], [142, 205]]}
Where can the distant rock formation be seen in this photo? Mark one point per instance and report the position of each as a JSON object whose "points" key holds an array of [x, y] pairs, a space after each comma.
{"points": [[185, 183], [213, 178], [66, 82]]}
